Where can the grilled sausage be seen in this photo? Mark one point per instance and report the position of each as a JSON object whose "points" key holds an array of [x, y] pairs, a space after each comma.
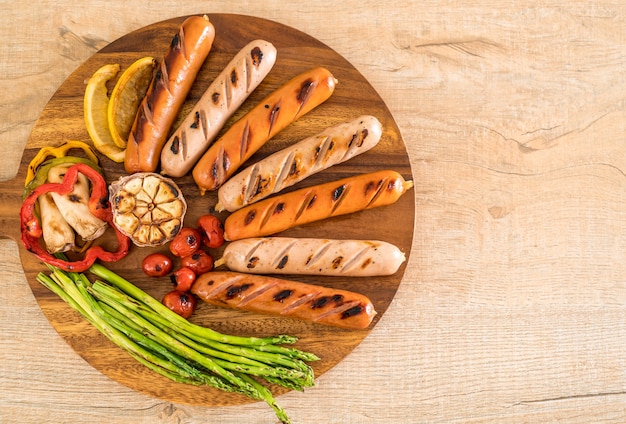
{"points": [[323, 305], [167, 92], [288, 103], [284, 211], [223, 97], [294, 163], [311, 256]]}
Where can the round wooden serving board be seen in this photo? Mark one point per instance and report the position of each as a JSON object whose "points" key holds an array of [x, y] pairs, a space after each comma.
{"points": [[62, 120]]}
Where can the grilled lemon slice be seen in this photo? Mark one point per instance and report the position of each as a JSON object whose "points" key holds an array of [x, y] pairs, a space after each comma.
{"points": [[148, 208], [126, 96], [95, 109]]}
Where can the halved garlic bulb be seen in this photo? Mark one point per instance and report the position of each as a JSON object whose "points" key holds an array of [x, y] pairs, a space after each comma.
{"points": [[147, 207]]}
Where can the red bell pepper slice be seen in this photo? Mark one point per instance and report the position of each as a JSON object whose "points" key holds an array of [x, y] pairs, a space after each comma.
{"points": [[99, 205]]}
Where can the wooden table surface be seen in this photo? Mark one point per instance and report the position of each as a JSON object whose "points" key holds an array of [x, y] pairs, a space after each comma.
{"points": [[513, 305]]}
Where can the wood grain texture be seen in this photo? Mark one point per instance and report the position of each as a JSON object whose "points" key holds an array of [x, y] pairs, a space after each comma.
{"points": [[513, 305]]}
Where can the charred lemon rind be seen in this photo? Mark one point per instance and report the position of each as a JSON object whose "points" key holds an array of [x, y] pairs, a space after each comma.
{"points": [[148, 208]]}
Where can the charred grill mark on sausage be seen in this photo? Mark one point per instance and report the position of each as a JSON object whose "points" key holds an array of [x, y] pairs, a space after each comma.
{"points": [[249, 291], [252, 260], [279, 261], [336, 262], [280, 207], [317, 256], [353, 311], [251, 185], [244, 142], [273, 116], [306, 90], [322, 301], [250, 217], [283, 262], [267, 215], [354, 260], [343, 308], [339, 194], [296, 303], [252, 61], [307, 202], [256, 55], [234, 78], [220, 167], [235, 290], [373, 190], [284, 167], [282, 295], [214, 287], [196, 121], [228, 87], [204, 124], [320, 152]]}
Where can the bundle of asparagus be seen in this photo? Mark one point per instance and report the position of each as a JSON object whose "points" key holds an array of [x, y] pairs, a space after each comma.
{"points": [[176, 348]]}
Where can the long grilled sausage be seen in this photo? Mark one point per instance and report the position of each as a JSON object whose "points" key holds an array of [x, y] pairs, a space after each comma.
{"points": [[223, 97], [257, 293], [284, 211], [167, 92], [288, 103], [312, 256], [292, 164]]}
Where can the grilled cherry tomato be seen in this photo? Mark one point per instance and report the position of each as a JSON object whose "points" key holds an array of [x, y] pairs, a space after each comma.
{"points": [[182, 303], [183, 278], [199, 262], [156, 265], [186, 242], [212, 231]]}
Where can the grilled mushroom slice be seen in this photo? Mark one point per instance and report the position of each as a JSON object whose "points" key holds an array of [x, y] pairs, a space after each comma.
{"points": [[58, 235], [75, 206]]}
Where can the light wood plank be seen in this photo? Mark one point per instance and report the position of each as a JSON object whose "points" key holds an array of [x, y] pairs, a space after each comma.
{"points": [[513, 307]]}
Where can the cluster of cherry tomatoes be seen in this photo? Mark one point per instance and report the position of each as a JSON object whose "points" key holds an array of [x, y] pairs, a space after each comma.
{"points": [[194, 261]]}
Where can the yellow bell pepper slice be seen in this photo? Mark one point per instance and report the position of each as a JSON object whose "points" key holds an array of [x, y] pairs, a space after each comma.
{"points": [[57, 152]]}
